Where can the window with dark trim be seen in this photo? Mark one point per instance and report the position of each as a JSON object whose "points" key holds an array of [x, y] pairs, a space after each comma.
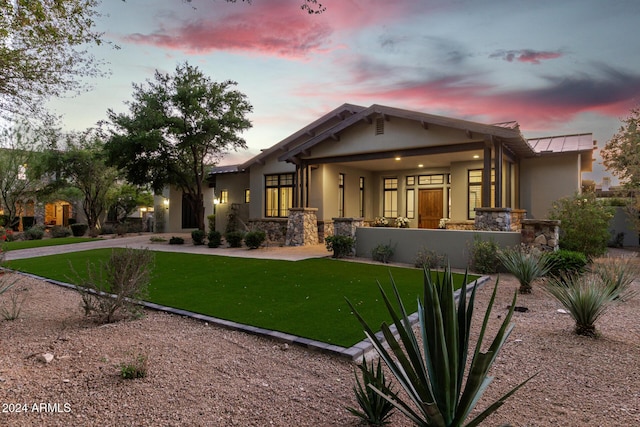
{"points": [[411, 203], [224, 196], [341, 195], [278, 195], [474, 197], [390, 198], [361, 200], [247, 195]]}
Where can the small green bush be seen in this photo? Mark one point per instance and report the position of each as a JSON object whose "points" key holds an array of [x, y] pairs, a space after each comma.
{"points": [[60, 231], [383, 253], [79, 230], [34, 233], [211, 220], [567, 262], [176, 240], [198, 237], [254, 239], [215, 239], [234, 238], [374, 409], [484, 256], [341, 246], [135, 369]]}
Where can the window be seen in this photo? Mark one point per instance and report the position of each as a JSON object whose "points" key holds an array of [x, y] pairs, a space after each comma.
{"points": [[247, 194], [411, 203], [475, 190], [189, 219], [278, 194], [411, 180], [341, 195], [430, 179], [361, 199], [224, 196], [390, 199]]}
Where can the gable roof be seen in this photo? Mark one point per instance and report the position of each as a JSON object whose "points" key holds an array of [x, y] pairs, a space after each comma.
{"points": [[563, 143], [508, 132]]}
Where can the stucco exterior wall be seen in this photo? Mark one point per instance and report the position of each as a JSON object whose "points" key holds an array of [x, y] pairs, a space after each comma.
{"points": [[235, 184], [543, 180]]}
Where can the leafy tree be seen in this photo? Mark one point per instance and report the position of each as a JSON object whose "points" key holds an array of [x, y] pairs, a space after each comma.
{"points": [[43, 50], [125, 198], [81, 165], [621, 154], [18, 150], [176, 127]]}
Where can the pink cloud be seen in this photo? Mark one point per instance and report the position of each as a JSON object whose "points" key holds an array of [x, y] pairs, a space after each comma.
{"points": [[525, 55]]}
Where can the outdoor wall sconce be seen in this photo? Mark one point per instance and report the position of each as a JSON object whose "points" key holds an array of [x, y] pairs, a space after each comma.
{"points": [[165, 202]]}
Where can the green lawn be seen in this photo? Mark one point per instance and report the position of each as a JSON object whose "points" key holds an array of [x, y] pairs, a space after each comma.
{"points": [[28, 244], [303, 298]]}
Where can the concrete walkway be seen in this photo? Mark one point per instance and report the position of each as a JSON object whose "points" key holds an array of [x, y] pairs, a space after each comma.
{"points": [[141, 241]]}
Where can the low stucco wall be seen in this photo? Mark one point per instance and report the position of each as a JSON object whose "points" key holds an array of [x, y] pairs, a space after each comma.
{"points": [[455, 244]]}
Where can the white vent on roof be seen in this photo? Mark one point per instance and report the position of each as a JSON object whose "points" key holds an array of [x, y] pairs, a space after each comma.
{"points": [[379, 126]]}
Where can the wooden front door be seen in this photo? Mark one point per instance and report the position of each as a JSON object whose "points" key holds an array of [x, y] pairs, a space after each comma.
{"points": [[429, 208]]}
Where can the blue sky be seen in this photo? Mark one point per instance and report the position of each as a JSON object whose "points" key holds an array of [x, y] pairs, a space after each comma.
{"points": [[557, 67]]}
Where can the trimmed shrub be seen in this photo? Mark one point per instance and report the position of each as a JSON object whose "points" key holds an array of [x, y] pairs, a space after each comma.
{"points": [[79, 230], [198, 237], [59, 231], [341, 246], [255, 239], [34, 233], [215, 239], [567, 262], [176, 240], [234, 238], [383, 253], [211, 219], [484, 256]]}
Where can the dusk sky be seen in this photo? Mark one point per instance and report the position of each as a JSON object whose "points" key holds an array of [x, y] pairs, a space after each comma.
{"points": [[557, 67]]}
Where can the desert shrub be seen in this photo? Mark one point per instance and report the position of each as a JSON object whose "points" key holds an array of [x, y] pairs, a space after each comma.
{"points": [[341, 246], [526, 266], [484, 256], [215, 239], [79, 230], [174, 240], [117, 286], [383, 252], [428, 258], [374, 409], [59, 231], [105, 229], [198, 237], [254, 239], [15, 302], [137, 368], [442, 388], [567, 262], [584, 223], [585, 298], [34, 233], [234, 238], [617, 273]]}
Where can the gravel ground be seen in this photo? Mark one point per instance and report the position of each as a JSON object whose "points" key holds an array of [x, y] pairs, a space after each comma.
{"points": [[201, 375]]}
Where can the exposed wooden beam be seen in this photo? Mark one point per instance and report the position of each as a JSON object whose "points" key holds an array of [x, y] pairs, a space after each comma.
{"points": [[424, 125], [469, 134], [335, 137]]}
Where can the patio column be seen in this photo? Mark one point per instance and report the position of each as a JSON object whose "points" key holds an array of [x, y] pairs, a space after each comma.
{"points": [[302, 227], [486, 174], [499, 153]]}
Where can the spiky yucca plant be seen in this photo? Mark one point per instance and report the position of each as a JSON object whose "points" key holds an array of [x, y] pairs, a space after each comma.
{"points": [[432, 371], [374, 409], [525, 266], [586, 298], [619, 273]]}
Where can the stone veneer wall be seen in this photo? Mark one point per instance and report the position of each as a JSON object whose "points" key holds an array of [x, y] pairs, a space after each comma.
{"points": [[302, 227], [540, 234], [325, 228], [275, 228], [460, 225], [347, 226]]}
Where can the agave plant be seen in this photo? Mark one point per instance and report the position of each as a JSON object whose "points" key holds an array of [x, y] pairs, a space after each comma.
{"points": [[432, 370], [374, 409], [586, 298], [525, 266]]}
